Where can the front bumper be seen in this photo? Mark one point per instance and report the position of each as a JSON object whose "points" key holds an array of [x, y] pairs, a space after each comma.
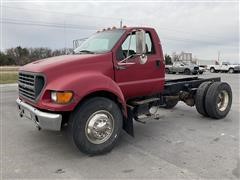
{"points": [[43, 120], [193, 71], [237, 69]]}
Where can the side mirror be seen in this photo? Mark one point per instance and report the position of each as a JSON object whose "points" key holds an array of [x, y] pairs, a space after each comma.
{"points": [[141, 45]]}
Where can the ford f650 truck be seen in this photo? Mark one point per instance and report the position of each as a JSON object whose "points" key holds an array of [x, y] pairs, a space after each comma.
{"points": [[113, 78]]}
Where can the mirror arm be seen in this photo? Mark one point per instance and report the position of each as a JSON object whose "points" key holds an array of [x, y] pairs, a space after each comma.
{"points": [[128, 58]]}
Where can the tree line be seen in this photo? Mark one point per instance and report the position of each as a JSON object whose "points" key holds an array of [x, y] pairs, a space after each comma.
{"points": [[20, 56]]}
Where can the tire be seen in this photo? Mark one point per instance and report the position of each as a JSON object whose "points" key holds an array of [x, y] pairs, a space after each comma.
{"points": [[187, 72], [170, 104], [218, 100], [167, 71], [94, 111], [231, 70], [200, 98], [212, 70]]}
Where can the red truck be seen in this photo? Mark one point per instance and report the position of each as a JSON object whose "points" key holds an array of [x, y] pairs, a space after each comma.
{"points": [[114, 77]]}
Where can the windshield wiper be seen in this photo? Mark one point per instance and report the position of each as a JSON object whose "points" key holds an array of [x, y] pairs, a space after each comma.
{"points": [[86, 51]]}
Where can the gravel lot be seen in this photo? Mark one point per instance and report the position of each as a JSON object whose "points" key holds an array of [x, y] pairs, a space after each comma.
{"points": [[182, 144]]}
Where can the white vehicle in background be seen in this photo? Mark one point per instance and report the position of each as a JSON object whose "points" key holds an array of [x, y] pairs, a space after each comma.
{"points": [[224, 67], [181, 67]]}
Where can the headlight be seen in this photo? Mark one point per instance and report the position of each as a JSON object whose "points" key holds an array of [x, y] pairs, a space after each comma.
{"points": [[61, 97]]}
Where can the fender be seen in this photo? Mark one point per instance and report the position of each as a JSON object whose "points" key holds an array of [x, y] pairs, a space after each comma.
{"points": [[95, 82], [85, 84], [82, 84]]}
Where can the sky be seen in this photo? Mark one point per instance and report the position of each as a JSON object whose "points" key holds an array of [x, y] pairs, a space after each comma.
{"points": [[204, 28]]}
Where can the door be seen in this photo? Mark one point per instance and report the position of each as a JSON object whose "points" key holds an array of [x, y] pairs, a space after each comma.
{"points": [[224, 67], [182, 67], [178, 67], [139, 79]]}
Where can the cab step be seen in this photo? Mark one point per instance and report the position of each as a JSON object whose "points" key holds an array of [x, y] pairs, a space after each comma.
{"points": [[145, 101]]}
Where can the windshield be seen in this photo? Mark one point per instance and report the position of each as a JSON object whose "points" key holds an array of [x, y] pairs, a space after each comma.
{"points": [[100, 42]]}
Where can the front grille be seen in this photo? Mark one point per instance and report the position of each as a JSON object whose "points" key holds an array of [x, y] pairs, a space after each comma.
{"points": [[196, 68], [30, 85]]}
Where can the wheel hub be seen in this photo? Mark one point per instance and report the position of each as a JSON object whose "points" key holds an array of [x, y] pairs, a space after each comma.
{"points": [[223, 100], [99, 127]]}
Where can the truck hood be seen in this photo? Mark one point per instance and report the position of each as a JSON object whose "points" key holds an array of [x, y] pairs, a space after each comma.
{"points": [[65, 61]]}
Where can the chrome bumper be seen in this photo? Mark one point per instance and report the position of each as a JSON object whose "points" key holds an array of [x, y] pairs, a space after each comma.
{"points": [[43, 120]]}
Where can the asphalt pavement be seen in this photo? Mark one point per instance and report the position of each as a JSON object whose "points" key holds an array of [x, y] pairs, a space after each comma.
{"points": [[181, 145]]}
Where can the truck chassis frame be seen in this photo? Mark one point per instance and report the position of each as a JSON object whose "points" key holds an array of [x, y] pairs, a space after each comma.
{"points": [[183, 89]]}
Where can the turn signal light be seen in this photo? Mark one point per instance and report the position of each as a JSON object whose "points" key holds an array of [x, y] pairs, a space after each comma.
{"points": [[61, 97]]}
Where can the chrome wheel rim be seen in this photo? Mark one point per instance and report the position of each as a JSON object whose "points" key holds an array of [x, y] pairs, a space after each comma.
{"points": [[223, 100], [99, 127]]}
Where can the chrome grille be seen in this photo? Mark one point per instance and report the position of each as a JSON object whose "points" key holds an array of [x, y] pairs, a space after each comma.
{"points": [[30, 85]]}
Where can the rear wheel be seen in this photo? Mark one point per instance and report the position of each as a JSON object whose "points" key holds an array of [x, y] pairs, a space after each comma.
{"points": [[218, 100], [187, 72], [95, 125], [212, 70], [231, 70], [200, 98]]}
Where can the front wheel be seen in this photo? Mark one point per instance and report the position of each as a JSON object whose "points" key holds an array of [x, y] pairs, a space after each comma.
{"points": [[95, 125], [231, 70], [167, 71]]}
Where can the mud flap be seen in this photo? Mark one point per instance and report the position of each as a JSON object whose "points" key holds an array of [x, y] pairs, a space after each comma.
{"points": [[128, 123]]}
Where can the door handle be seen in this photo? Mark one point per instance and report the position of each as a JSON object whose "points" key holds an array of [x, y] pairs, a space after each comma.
{"points": [[158, 63]]}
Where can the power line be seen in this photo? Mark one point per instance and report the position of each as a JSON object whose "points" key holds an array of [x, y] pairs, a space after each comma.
{"points": [[75, 26], [84, 15], [48, 23], [57, 12], [93, 28], [67, 26]]}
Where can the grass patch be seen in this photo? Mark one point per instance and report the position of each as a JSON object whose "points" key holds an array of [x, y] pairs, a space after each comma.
{"points": [[9, 68], [8, 77]]}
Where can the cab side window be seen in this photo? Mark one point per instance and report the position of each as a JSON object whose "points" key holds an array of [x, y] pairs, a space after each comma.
{"points": [[149, 44], [130, 44]]}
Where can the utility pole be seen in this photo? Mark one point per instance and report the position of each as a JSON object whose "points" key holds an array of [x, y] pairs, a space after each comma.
{"points": [[121, 23], [65, 40], [218, 56]]}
